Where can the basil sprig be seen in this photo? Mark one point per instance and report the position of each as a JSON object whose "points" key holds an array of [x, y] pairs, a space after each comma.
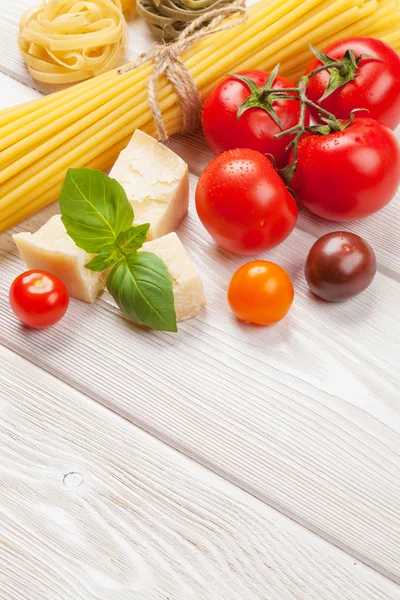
{"points": [[98, 217]]}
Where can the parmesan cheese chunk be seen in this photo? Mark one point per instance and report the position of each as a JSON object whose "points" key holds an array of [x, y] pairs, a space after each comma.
{"points": [[51, 249], [156, 181], [187, 286]]}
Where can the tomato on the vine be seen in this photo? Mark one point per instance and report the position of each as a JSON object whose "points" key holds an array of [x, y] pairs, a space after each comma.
{"points": [[226, 127], [369, 83], [260, 292], [348, 174], [38, 298], [243, 203]]}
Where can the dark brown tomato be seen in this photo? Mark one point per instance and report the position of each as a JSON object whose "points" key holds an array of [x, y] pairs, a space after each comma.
{"points": [[340, 265]]}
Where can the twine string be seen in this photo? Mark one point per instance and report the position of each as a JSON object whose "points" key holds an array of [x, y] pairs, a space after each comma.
{"points": [[167, 61]]}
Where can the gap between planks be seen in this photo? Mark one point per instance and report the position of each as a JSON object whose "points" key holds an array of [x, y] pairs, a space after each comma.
{"points": [[278, 451], [244, 479], [194, 150], [138, 518]]}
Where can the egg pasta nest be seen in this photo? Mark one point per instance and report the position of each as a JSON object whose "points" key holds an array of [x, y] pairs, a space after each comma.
{"points": [[65, 41]]}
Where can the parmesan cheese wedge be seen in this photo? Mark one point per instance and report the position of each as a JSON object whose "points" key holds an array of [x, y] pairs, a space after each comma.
{"points": [[51, 249], [156, 181], [186, 283]]}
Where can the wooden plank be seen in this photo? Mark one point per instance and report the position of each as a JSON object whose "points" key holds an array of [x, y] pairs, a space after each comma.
{"points": [[303, 415], [195, 151], [91, 506], [382, 230], [12, 63]]}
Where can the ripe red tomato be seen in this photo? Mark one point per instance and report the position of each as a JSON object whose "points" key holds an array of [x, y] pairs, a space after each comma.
{"points": [[255, 128], [349, 174], [38, 298], [243, 203], [260, 292], [376, 87]]}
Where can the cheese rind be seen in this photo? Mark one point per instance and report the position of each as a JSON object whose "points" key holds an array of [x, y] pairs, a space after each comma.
{"points": [[51, 249], [156, 181], [187, 286]]}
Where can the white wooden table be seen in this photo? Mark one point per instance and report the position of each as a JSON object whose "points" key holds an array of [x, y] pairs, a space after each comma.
{"points": [[225, 462]]}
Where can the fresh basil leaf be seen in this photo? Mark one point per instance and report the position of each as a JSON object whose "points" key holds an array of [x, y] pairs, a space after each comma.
{"points": [[94, 209], [142, 287], [133, 238], [107, 257]]}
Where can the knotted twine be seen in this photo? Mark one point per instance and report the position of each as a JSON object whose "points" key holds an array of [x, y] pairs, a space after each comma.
{"points": [[168, 62]]}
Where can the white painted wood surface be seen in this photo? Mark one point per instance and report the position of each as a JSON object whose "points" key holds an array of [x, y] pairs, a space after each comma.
{"points": [[304, 415], [93, 507], [193, 148]]}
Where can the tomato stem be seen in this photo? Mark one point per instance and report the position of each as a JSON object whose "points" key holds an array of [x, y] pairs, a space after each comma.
{"points": [[340, 72], [331, 123], [337, 64], [264, 97]]}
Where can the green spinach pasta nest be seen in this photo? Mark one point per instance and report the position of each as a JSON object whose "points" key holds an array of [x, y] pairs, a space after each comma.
{"points": [[167, 18]]}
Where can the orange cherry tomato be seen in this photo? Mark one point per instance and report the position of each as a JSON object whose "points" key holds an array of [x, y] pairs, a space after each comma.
{"points": [[260, 292]]}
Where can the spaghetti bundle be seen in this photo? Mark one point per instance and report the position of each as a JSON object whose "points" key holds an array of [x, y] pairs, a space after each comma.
{"points": [[88, 124], [64, 41]]}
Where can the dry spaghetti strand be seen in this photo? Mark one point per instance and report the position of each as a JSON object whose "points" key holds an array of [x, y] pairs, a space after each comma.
{"points": [[92, 121]]}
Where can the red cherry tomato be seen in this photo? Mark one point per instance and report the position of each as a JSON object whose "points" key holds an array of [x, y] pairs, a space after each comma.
{"points": [[376, 87], [260, 292], [255, 128], [350, 174], [38, 299], [243, 203]]}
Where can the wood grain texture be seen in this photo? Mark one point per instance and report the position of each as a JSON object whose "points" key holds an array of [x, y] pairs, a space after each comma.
{"points": [[194, 150], [91, 507], [11, 61], [303, 415], [382, 230]]}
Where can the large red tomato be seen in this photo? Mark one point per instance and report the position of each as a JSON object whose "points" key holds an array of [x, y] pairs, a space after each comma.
{"points": [[349, 174], [376, 85], [255, 128], [243, 203]]}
